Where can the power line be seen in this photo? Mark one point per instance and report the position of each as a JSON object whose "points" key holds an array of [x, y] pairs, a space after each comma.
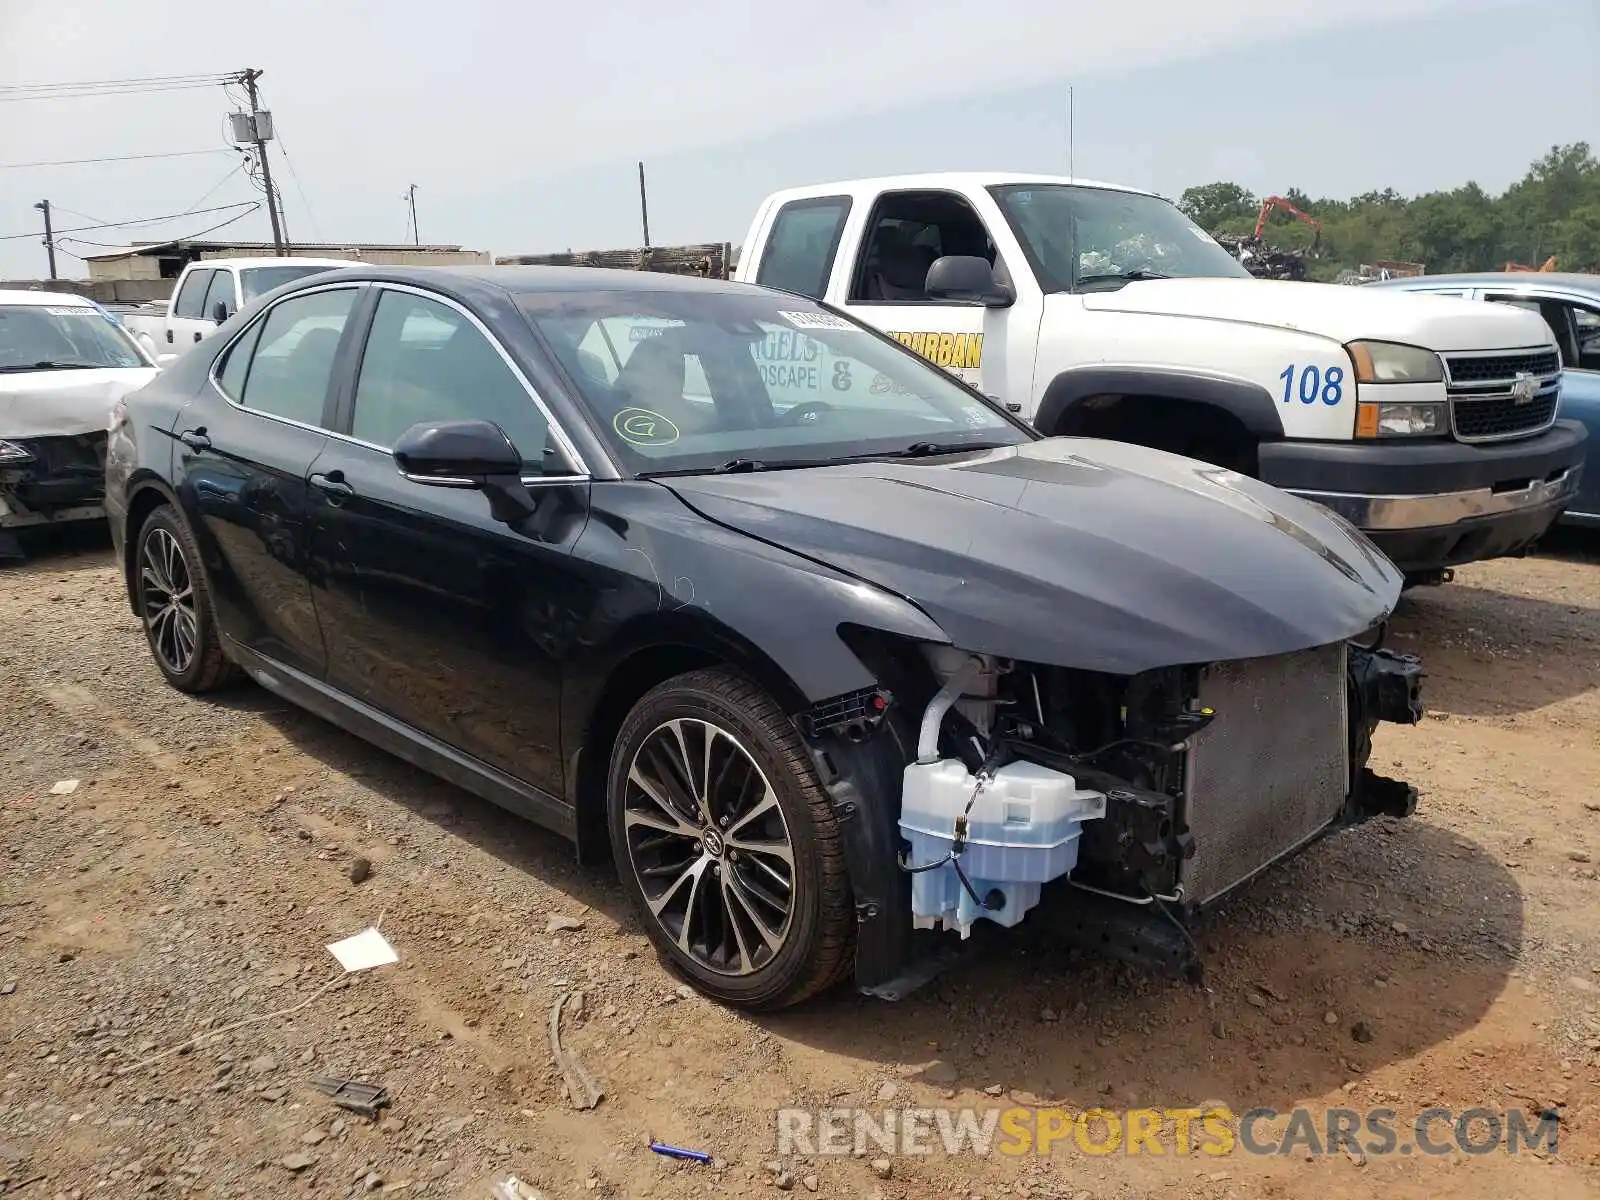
{"points": [[254, 204], [316, 230], [100, 83], [131, 91], [73, 162]]}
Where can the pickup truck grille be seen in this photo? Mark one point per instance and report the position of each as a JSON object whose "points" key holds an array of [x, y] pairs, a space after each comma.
{"points": [[1502, 395], [1271, 770]]}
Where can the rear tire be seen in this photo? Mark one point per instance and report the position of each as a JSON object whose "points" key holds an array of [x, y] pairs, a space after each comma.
{"points": [[173, 601], [726, 843]]}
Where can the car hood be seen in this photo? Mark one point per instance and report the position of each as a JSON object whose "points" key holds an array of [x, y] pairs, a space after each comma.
{"points": [[1336, 311], [1075, 552], [37, 404]]}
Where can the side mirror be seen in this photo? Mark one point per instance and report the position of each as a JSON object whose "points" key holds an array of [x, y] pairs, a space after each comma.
{"points": [[967, 277], [468, 454], [456, 453], [219, 311]]}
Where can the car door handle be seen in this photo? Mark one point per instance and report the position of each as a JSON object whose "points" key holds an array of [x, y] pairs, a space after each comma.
{"points": [[333, 483], [195, 439], [169, 337], [197, 335]]}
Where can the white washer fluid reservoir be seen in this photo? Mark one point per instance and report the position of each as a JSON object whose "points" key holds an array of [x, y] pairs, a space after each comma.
{"points": [[1022, 832]]}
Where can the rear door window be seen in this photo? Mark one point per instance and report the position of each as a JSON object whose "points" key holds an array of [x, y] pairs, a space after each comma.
{"points": [[799, 253], [292, 363]]}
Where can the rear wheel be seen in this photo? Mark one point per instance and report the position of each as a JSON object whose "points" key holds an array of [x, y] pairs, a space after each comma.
{"points": [[726, 843], [174, 603]]}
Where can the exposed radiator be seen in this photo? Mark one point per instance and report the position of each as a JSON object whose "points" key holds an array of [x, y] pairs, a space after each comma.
{"points": [[1271, 769]]}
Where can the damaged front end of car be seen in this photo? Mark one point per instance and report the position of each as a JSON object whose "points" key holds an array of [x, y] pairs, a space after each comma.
{"points": [[49, 481], [1121, 807]]}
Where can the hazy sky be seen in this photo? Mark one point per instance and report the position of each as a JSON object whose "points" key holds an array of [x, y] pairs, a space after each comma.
{"points": [[520, 123]]}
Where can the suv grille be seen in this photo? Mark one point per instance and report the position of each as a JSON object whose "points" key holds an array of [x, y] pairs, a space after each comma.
{"points": [[1494, 396]]}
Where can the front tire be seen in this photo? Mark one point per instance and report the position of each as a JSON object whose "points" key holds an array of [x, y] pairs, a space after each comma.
{"points": [[726, 843], [173, 601]]}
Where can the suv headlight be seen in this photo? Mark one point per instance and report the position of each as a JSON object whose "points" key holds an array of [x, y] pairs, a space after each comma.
{"points": [[14, 455], [1400, 420], [1390, 362]]}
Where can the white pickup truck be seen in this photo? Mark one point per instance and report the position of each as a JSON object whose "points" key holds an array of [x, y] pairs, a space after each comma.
{"points": [[206, 294], [1098, 310]]}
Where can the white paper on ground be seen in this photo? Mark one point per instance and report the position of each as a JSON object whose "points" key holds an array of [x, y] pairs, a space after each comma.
{"points": [[63, 787], [365, 950]]}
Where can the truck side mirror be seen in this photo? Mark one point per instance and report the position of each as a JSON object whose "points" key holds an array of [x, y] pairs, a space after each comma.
{"points": [[968, 278], [219, 311]]}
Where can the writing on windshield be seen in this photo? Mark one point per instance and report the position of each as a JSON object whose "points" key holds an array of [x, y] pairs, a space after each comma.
{"points": [[682, 379]]}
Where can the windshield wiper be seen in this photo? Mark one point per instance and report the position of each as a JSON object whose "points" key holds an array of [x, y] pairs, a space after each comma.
{"points": [[1121, 277], [48, 365], [734, 466], [925, 449]]}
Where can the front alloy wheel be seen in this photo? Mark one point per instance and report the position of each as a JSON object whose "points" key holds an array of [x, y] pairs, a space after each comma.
{"points": [[709, 845], [726, 842]]}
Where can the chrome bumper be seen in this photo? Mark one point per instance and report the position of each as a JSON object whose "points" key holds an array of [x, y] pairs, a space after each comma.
{"points": [[1376, 513]]}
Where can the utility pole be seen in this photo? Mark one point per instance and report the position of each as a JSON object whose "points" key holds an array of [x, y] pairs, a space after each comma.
{"points": [[644, 208], [248, 78], [411, 198], [49, 236], [1072, 120]]}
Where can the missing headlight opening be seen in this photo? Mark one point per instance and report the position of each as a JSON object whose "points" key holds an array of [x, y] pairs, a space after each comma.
{"points": [[1123, 807]]}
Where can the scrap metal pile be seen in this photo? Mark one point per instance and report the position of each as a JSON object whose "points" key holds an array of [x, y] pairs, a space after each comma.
{"points": [[1261, 260]]}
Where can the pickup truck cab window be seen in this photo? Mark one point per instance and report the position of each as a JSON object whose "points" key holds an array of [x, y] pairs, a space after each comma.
{"points": [[291, 360], [258, 281], [425, 361], [220, 291], [907, 233], [800, 249], [190, 300], [1086, 238]]}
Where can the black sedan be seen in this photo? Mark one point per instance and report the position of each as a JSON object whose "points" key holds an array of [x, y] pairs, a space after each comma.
{"points": [[835, 655]]}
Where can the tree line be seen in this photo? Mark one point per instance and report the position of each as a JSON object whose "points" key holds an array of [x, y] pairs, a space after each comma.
{"points": [[1553, 210]]}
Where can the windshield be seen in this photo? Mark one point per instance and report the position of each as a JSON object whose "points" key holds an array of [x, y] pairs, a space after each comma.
{"points": [[690, 380], [256, 281], [1087, 239], [49, 337]]}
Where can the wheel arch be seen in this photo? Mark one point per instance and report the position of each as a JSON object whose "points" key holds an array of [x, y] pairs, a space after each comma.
{"points": [[648, 655], [1072, 394], [146, 493]]}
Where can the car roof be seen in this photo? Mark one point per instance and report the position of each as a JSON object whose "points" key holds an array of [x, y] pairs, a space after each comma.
{"points": [[528, 280], [1562, 279], [30, 296], [946, 180], [245, 262]]}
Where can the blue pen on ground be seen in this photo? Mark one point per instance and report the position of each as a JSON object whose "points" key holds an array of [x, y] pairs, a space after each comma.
{"points": [[699, 1156]]}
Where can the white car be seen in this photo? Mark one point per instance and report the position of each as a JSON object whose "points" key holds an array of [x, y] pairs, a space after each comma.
{"points": [[64, 363]]}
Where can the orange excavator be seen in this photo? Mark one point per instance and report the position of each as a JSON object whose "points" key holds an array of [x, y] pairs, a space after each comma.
{"points": [[1543, 268], [1278, 202]]}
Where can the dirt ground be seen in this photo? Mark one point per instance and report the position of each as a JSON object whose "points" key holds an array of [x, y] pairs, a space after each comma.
{"points": [[190, 884]]}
